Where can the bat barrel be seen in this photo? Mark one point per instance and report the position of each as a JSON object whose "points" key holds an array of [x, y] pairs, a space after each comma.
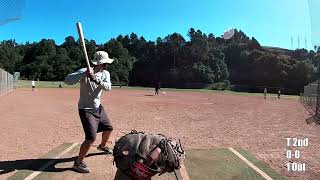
{"points": [[81, 36]]}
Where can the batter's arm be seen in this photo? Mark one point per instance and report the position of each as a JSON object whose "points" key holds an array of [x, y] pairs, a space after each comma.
{"points": [[105, 81], [75, 77]]}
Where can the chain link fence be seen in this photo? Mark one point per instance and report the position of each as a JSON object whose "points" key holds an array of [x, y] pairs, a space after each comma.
{"points": [[7, 82], [314, 6], [311, 98]]}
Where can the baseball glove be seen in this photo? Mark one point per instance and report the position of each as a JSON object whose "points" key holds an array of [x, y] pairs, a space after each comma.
{"points": [[141, 155]]}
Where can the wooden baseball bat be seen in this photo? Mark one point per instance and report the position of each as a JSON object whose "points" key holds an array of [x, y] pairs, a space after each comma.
{"points": [[81, 36]]}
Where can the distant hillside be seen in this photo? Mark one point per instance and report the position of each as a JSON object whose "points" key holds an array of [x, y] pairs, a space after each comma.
{"points": [[278, 50]]}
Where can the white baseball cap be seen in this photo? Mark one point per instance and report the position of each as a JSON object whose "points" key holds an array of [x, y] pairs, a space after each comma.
{"points": [[101, 57]]}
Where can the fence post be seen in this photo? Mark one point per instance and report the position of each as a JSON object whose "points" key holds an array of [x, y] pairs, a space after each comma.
{"points": [[6, 81], [318, 98], [8, 88]]}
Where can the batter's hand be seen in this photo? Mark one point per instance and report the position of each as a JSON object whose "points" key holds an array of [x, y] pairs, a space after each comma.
{"points": [[90, 71], [90, 74]]}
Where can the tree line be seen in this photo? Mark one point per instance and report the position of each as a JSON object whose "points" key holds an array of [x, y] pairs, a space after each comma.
{"points": [[174, 61]]}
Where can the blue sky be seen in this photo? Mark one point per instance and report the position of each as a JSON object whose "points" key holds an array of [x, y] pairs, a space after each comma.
{"points": [[271, 22]]}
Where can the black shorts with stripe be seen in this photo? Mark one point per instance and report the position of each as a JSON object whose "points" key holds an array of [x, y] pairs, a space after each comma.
{"points": [[94, 121]]}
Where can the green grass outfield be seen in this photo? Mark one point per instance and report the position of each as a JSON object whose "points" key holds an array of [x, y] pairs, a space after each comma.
{"points": [[55, 84], [44, 84]]}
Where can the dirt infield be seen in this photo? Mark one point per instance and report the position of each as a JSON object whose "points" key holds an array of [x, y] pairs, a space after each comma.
{"points": [[32, 123], [205, 164]]}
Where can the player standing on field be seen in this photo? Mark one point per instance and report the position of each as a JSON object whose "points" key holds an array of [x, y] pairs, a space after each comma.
{"points": [[93, 117], [279, 93], [157, 88], [265, 91], [33, 84]]}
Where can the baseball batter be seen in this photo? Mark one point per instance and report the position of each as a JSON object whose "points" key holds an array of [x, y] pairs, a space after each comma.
{"points": [[93, 116]]}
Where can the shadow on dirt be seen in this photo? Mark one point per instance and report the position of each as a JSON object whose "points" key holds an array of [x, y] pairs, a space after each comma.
{"points": [[36, 164]]}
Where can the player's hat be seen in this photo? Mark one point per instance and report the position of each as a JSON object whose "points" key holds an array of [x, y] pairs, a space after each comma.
{"points": [[101, 57]]}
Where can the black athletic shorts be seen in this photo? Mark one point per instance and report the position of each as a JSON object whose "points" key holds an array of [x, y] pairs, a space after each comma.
{"points": [[94, 121]]}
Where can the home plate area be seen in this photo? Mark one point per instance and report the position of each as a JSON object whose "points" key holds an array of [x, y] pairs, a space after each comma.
{"points": [[219, 163]]}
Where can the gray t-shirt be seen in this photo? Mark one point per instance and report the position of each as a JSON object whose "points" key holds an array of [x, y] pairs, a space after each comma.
{"points": [[90, 92]]}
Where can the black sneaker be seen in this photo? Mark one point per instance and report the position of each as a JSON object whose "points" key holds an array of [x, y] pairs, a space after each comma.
{"points": [[105, 149], [81, 167]]}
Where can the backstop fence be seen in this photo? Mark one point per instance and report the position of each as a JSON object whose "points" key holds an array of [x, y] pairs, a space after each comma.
{"points": [[7, 82], [311, 97]]}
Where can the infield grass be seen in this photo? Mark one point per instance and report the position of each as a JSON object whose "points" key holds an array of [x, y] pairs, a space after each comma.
{"points": [[55, 84]]}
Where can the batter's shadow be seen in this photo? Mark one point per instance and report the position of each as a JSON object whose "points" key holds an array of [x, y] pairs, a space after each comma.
{"points": [[36, 164]]}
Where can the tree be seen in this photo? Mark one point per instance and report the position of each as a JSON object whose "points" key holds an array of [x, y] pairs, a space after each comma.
{"points": [[172, 60], [37, 60], [123, 61], [62, 64], [9, 55]]}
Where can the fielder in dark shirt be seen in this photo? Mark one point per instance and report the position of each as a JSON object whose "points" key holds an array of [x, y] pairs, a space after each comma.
{"points": [[157, 88]]}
